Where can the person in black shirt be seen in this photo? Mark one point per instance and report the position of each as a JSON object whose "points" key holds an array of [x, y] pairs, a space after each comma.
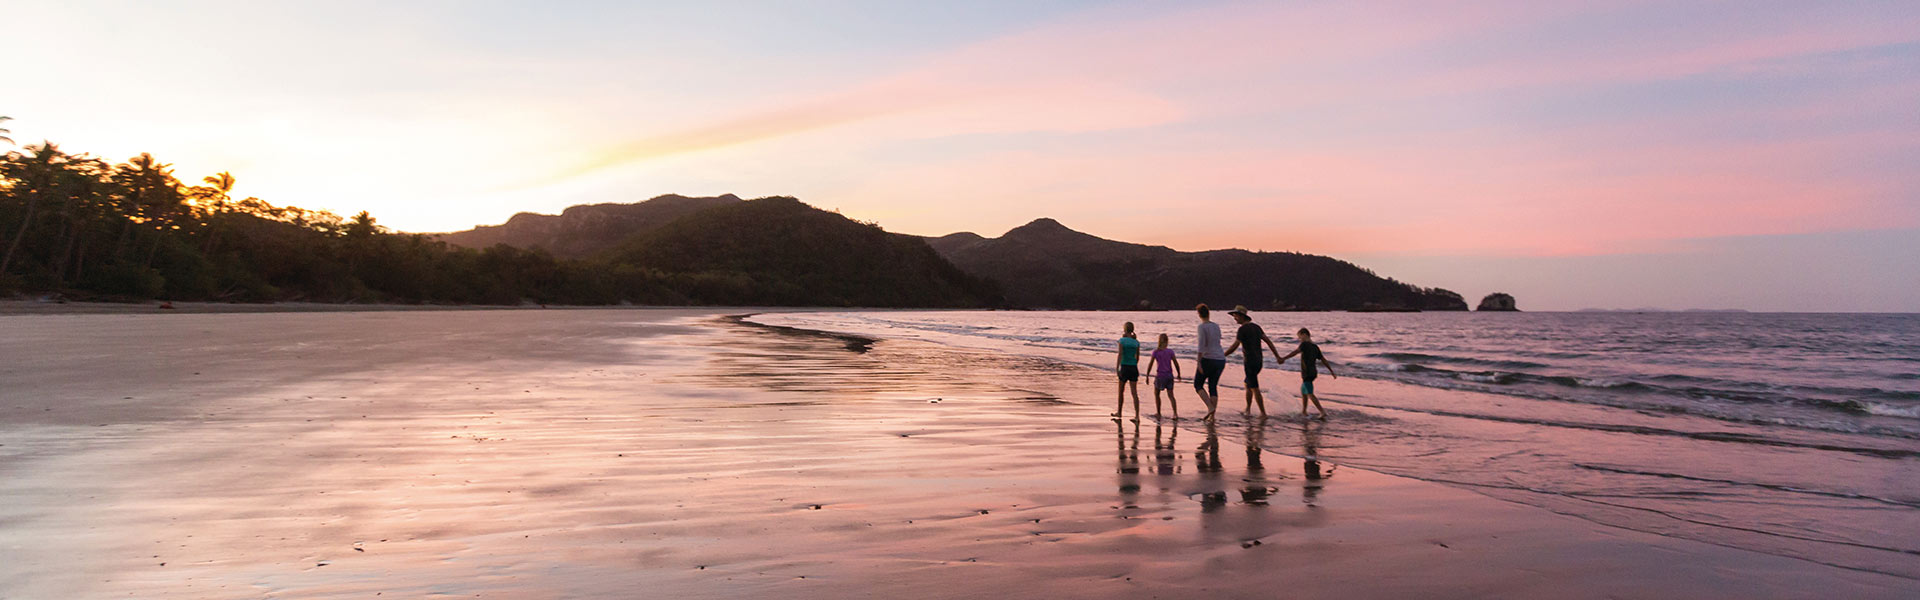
{"points": [[1250, 336], [1309, 353]]}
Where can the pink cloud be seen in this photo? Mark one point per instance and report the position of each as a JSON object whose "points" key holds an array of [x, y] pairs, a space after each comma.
{"points": [[1683, 53], [1089, 75]]}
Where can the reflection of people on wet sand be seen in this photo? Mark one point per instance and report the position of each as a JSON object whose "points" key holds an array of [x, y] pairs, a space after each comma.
{"points": [[1310, 445], [1127, 364], [1165, 369], [1166, 459], [1250, 337], [1206, 460], [1129, 458], [1309, 354], [1212, 361], [1256, 491], [1256, 436]]}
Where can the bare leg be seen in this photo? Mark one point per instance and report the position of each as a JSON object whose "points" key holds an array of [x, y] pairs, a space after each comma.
{"points": [[1261, 399], [1156, 401], [1171, 402], [1135, 387], [1316, 405], [1119, 401], [1212, 400]]}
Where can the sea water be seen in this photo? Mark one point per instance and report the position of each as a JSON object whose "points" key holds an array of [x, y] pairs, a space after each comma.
{"points": [[1791, 434]]}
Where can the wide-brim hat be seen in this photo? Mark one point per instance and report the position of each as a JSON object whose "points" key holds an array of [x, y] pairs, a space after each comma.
{"points": [[1239, 309]]}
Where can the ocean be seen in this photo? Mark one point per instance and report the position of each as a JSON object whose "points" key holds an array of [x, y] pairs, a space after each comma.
{"points": [[1788, 434]]}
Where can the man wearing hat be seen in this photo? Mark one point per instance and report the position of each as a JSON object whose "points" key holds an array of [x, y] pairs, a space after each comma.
{"points": [[1250, 336]]}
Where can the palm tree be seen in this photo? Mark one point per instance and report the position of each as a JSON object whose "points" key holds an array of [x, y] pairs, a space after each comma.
{"points": [[216, 195], [153, 195], [222, 187], [36, 173], [4, 131]]}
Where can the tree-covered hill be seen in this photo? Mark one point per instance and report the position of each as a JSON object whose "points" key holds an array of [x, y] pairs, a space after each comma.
{"points": [[585, 230], [781, 251], [85, 228], [1045, 264]]}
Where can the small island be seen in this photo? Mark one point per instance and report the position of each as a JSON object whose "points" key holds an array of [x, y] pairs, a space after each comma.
{"points": [[1498, 301]]}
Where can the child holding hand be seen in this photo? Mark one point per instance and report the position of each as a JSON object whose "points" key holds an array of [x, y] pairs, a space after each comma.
{"points": [[1163, 378]]}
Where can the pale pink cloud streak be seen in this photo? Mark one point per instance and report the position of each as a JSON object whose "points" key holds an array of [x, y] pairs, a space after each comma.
{"points": [[1082, 76]]}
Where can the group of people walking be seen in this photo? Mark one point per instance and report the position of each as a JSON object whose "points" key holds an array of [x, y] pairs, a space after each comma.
{"points": [[1211, 362]]}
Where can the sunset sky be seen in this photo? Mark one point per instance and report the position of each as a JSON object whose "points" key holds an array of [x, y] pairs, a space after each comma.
{"points": [[1760, 155]]}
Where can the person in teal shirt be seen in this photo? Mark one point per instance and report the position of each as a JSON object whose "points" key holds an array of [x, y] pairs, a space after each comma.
{"points": [[1128, 365]]}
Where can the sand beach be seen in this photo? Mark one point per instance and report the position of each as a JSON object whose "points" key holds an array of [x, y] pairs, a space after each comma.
{"points": [[679, 453]]}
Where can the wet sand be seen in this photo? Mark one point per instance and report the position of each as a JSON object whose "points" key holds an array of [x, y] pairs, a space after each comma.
{"points": [[52, 307], [669, 453]]}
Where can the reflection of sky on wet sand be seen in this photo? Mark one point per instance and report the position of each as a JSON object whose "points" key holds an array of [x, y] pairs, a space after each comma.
{"points": [[713, 459], [480, 477]]}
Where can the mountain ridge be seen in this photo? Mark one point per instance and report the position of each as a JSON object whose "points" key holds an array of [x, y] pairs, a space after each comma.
{"points": [[1040, 264], [1044, 263], [585, 230]]}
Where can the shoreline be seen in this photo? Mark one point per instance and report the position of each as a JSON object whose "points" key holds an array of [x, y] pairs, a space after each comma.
{"points": [[1387, 419], [587, 453]]}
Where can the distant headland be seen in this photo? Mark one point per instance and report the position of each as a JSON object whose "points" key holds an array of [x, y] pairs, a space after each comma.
{"points": [[1043, 264]]}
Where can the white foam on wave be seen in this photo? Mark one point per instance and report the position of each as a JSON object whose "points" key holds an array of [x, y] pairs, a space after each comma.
{"points": [[1884, 410], [1494, 377], [1597, 382]]}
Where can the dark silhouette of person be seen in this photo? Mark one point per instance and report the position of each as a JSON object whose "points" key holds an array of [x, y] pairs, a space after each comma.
{"points": [[1310, 355], [1248, 340]]}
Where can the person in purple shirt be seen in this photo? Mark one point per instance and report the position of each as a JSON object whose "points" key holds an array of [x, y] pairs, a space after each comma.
{"points": [[1165, 370]]}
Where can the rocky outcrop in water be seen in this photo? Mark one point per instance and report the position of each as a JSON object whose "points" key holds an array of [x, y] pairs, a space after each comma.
{"points": [[1498, 301]]}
